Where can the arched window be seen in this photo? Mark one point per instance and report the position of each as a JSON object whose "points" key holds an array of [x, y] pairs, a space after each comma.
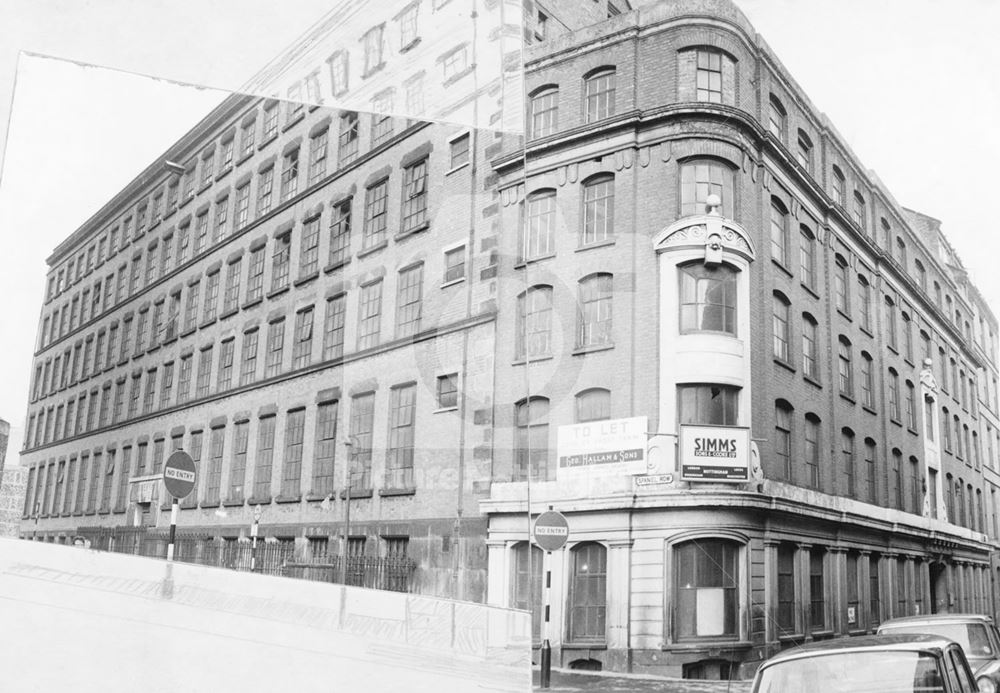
{"points": [[595, 310], [847, 455], [781, 328], [937, 294], [860, 212], [901, 251], [958, 437], [534, 329], [838, 185], [921, 274], [526, 584], [804, 154], [890, 324], [929, 417], [867, 381], [703, 177], [916, 487], [783, 438], [886, 236], [911, 406], [777, 119], [812, 449], [841, 284], [907, 336], [708, 298], [706, 584], [539, 237], [946, 429], [598, 209], [870, 469], [599, 94], [949, 497], [531, 439], [865, 302], [779, 232], [807, 256], [588, 592], [810, 347], [544, 104], [897, 479], [845, 366], [593, 405], [893, 393]]}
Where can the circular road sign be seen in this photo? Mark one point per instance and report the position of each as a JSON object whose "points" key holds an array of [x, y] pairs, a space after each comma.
{"points": [[551, 530], [179, 474]]}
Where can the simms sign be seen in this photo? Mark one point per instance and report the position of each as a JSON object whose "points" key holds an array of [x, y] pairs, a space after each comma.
{"points": [[714, 453]]}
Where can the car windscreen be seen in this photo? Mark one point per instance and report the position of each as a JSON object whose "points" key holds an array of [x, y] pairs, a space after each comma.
{"points": [[875, 671], [973, 637]]}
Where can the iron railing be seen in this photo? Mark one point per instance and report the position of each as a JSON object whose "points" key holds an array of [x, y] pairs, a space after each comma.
{"points": [[393, 573]]}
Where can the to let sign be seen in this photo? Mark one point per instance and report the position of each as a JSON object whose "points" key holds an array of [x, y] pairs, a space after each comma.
{"points": [[179, 474], [613, 446], [551, 531], [715, 453]]}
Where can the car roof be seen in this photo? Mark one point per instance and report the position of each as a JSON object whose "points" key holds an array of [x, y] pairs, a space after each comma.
{"points": [[937, 618], [906, 642]]}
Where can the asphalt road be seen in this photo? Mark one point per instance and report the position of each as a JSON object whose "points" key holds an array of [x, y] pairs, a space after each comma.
{"points": [[566, 682]]}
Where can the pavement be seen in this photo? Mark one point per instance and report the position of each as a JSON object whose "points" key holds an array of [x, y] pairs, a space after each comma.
{"points": [[565, 681]]}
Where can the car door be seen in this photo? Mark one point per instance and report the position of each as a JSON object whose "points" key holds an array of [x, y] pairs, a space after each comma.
{"points": [[963, 674]]}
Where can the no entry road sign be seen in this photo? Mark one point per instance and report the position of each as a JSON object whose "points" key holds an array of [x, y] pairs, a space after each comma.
{"points": [[551, 531], [179, 474]]}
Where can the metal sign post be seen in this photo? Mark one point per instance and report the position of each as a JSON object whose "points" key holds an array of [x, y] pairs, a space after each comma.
{"points": [[179, 475], [551, 532], [253, 536]]}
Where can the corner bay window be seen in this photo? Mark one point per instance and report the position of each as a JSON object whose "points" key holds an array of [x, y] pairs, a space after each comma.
{"points": [[708, 404], [707, 298], [706, 579]]}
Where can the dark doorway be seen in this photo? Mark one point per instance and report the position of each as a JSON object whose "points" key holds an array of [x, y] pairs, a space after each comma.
{"points": [[939, 587]]}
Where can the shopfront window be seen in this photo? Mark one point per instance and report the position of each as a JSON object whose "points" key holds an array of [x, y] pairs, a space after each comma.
{"points": [[706, 575]]}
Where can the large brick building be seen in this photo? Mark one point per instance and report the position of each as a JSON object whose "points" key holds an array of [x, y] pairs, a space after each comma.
{"points": [[680, 237], [803, 303]]}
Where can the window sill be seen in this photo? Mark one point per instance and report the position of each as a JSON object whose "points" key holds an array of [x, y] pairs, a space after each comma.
{"points": [[294, 121], [204, 186], [785, 364], [892, 348], [223, 173], [374, 249], [334, 266], [845, 315], [267, 141], [229, 313], [453, 282], [896, 422], [410, 45], [288, 499], [848, 398], [170, 212], [459, 75], [811, 291], [784, 269], [443, 410], [246, 157], [597, 244], [169, 341], [277, 292], [867, 331], [521, 264], [912, 430], [208, 504], [579, 351], [306, 279], [233, 503], [406, 233], [155, 347], [357, 493], [372, 70], [812, 381], [596, 645], [312, 496], [207, 323], [253, 302], [259, 500], [397, 491], [456, 169], [533, 359], [188, 331]]}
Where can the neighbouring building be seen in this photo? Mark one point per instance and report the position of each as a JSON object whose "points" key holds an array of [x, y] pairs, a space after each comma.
{"points": [[680, 241]]}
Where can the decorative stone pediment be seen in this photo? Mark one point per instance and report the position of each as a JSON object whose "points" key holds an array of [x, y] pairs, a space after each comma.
{"points": [[713, 232]]}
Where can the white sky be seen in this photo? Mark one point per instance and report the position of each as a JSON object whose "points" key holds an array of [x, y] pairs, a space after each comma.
{"points": [[912, 85]]}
